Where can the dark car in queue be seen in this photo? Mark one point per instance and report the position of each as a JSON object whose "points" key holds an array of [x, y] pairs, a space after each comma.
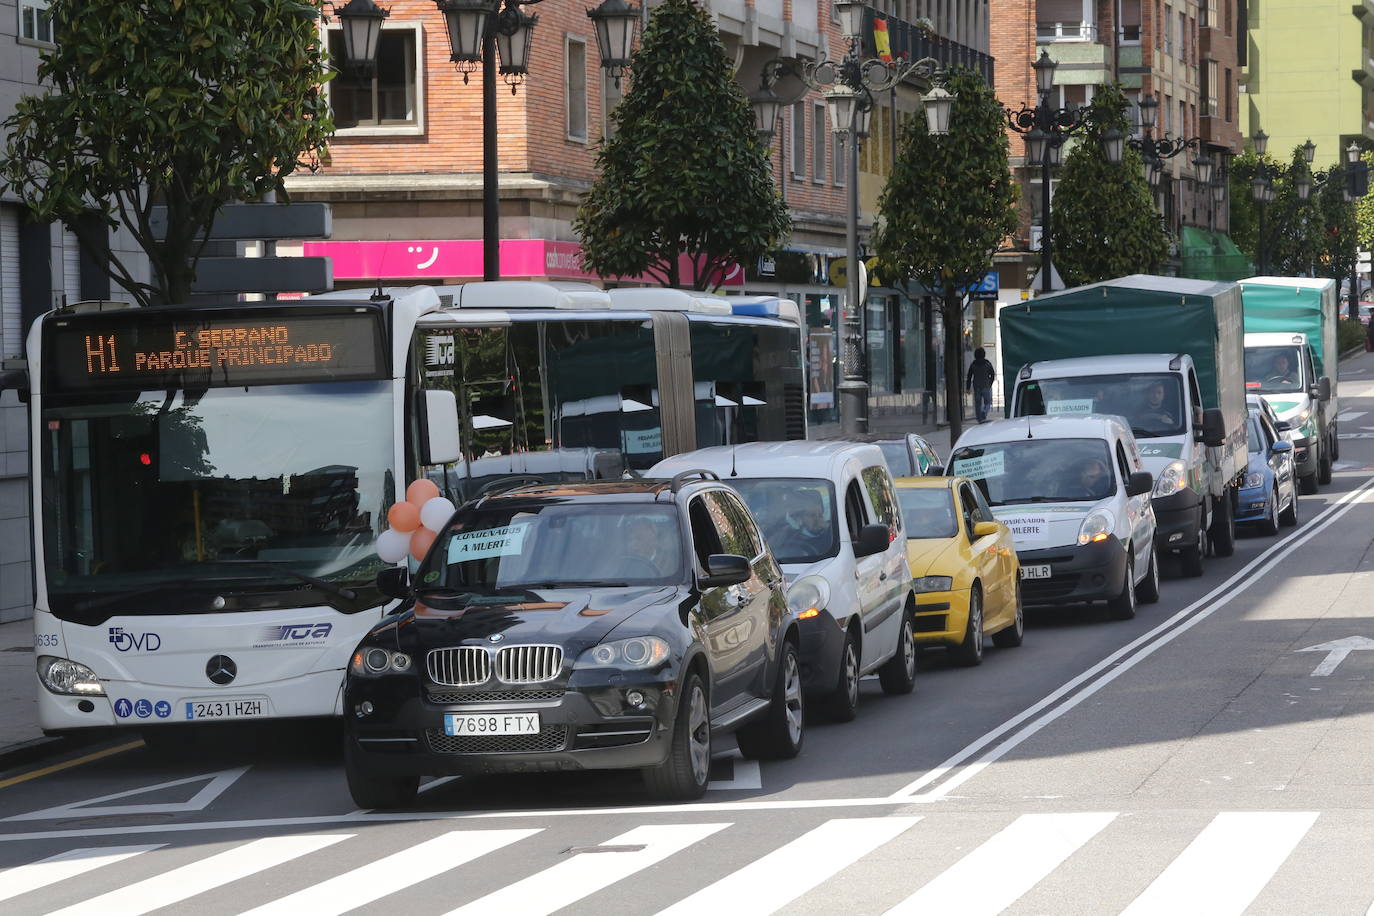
{"points": [[600, 625]]}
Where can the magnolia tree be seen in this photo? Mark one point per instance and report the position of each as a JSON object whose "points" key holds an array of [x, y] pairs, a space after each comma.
{"points": [[947, 207], [174, 103], [685, 172]]}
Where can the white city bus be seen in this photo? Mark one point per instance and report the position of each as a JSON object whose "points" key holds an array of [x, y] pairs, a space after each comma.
{"points": [[209, 482]]}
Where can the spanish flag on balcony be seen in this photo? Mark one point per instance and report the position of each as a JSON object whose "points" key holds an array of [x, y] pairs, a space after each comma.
{"points": [[881, 44]]}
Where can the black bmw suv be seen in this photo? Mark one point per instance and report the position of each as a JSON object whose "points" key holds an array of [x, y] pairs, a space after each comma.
{"points": [[601, 625]]}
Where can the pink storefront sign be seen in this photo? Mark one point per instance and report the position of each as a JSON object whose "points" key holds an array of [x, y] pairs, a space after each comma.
{"points": [[461, 259]]}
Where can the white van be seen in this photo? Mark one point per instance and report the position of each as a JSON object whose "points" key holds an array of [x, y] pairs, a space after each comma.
{"points": [[830, 515], [1076, 496]]}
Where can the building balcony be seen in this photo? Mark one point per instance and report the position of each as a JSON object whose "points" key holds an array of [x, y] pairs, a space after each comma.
{"points": [[907, 42], [1054, 32]]}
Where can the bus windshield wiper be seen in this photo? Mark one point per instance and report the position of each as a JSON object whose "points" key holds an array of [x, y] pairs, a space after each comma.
{"points": [[567, 583], [340, 591]]}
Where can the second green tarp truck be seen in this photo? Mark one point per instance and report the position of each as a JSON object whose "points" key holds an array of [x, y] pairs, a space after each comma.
{"points": [[1164, 353], [1290, 359]]}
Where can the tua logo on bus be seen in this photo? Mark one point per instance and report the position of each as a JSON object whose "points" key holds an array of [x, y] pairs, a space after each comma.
{"points": [[125, 641]]}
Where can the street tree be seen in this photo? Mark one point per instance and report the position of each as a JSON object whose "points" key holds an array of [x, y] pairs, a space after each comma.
{"points": [[684, 172], [1104, 222], [166, 102], [947, 207]]}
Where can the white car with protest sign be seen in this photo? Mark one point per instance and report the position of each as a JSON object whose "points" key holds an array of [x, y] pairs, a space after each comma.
{"points": [[1076, 497]]}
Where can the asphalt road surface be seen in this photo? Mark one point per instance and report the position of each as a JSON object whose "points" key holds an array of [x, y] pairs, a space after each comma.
{"points": [[1211, 756]]}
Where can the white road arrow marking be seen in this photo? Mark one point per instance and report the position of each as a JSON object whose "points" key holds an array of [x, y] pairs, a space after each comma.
{"points": [[215, 784], [1336, 651], [1346, 416]]}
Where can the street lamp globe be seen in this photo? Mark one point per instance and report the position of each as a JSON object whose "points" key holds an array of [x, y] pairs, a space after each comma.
{"points": [[850, 13], [863, 119], [1147, 107], [466, 23], [1309, 151], [841, 103], [1303, 184], [1113, 146], [1261, 143], [1036, 143], [1218, 189], [1352, 153], [1054, 149], [939, 105], [615, 22], [514, 32], [766, 108], [1203, 164], [1044, 73], [1154, 171], [362, 29]]}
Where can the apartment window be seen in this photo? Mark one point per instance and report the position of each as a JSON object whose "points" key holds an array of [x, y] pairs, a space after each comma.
{"points": [[391, 101], [35, 21], [1181, 43], [1192, 41], [1212, 109], [1130, 22], [575, 58], [1226, 87], [1168, 109], [1226, 4], [841, 173], [799, 140], [818, 143], [1168, 31]]}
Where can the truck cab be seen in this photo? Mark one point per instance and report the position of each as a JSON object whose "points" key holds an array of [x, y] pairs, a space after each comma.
{"points": [[1184, 446], [1280, 367]]}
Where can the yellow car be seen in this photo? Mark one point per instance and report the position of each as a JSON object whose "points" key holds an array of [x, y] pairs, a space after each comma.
{"points": [[963, 567]]}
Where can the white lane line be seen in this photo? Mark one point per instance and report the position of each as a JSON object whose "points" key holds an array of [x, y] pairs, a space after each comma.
{"points": [[182, 883], [65, 865], [1347, 416], [768, 884], [1147, 644], [1226, 865], [393, 873], [588, 872], [997, 873]]}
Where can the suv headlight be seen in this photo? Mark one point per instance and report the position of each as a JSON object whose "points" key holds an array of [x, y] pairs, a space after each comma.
{"points": [[374, 661], [635, 653], [1171, 480], [1096, 527], [1254, 479], [932, 584], [64, 676], [808, 596]]}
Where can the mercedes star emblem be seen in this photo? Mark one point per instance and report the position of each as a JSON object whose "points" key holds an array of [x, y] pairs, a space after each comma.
{"points": [[220, 669]]}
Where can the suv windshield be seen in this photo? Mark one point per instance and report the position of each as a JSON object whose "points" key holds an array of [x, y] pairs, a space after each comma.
{"points": [[1273, 369], [1151, 403], [1038, 470], [570, 544], [797, 515], [927, 513]]}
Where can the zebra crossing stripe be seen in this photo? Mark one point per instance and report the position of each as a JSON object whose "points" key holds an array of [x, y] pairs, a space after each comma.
{"points": [[63, 866], [588, 872], [770, 883], [1021, 855], [1347, 416], [189, 880], [1226, 865], [393, 873]]}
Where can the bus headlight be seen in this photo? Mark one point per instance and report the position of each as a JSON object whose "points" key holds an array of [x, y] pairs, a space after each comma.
{"points": [[1096, 527], [64, 676], [1171, 480], [373, 661]]}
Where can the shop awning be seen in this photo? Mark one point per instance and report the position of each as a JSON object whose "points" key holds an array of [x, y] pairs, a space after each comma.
{"points": [[1211, 255]]}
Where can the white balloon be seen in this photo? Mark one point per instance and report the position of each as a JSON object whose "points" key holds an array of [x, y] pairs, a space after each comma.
{"points": [[393, 545], [436, 512]]}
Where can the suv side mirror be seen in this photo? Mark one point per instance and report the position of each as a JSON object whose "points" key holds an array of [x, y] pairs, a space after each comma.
{"points": [[1323, 389], [872, 539], [1140, 483], [394, 582], [725, 569], [438, 415], [1213, 427]]}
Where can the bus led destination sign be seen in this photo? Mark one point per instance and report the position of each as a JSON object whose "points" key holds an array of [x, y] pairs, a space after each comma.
{"points": [[152, 351]]}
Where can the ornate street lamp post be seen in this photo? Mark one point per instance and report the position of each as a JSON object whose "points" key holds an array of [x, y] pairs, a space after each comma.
{"points": [[849, 85], [1046, 128], [1155, 150], [1262, 190]]}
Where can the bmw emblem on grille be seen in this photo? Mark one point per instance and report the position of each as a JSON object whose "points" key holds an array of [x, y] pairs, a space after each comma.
{"points": [[495, 637], [220, 669]]}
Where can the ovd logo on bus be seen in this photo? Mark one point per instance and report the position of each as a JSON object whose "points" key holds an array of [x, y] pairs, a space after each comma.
{"points": [[291, 635], [124, 641]]}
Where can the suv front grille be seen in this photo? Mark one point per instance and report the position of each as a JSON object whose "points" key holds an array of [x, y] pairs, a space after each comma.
{"points": [[552, 738], [459, 666], [500, 696], [528, 664]]}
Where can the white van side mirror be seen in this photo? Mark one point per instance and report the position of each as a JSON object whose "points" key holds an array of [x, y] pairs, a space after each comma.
{"points": [[438, 415]]}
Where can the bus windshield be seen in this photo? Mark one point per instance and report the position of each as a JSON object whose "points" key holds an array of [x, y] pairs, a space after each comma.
{"points": [[215, 500]]}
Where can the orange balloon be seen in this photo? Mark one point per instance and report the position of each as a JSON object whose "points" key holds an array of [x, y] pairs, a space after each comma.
{"points": [[420, 543], [420, 492], [403, 517]]}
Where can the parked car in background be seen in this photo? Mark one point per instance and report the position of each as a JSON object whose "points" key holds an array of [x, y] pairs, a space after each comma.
{"points": [[1076, 496], [829, 512], [963, 567], [1269, 497], [908, 455], [573, 626]]}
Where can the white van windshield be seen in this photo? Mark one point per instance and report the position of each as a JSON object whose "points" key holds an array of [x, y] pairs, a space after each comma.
{"points": [[797, 516], [1151, 403], [1038, 470]]}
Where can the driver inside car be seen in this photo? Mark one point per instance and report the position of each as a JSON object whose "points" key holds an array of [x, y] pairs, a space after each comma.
{"points": [[1091, 480], [806, 530], [1281, 373], [645, 558], [1154, 410]]}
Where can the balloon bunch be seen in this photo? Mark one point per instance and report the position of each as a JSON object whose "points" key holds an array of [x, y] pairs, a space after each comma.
{"points": [[415, 522]]}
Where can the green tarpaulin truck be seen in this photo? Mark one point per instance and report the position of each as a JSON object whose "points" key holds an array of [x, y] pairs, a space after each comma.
{"points": [[1165, 354], [1290, 359]]}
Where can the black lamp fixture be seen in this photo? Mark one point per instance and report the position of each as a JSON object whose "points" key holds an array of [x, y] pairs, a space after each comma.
{"points": [[466, 24], [1303, 185], [1261, 140], [615, 22], [362, 30], [1309, 151], [1147, 109], [514, 34], [1218, 189], [939, 106], [766, 107], [1202, 166]]}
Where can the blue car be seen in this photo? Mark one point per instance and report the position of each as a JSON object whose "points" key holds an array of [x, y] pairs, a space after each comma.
{"points": [[1270, 496]]}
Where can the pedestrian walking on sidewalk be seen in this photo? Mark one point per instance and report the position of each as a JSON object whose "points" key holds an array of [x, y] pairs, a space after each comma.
{"points": [[981, 375]]}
